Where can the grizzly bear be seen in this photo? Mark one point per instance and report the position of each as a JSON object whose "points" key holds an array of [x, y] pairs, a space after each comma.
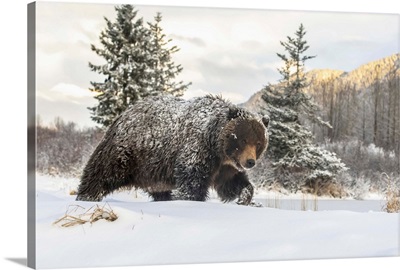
{"points": [[176, 150]]}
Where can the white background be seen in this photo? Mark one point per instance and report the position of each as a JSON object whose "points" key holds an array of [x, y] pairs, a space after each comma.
{"points": [[13, 221]]}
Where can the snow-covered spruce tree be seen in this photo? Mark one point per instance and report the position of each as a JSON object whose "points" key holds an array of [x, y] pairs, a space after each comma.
{"points": [[297, 162], [138, 64], [164, 70]]}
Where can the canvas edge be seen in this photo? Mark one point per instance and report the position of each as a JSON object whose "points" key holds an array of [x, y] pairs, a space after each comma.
{"points": [[31, 129]]}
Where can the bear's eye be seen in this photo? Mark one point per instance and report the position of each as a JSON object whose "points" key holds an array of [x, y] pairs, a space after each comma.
{"points": [[258, 145], [244, 141]]}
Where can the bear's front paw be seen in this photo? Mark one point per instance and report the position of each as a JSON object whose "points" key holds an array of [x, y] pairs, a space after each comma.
{"points": [[251, 203], [256, 204], [246, 195]]}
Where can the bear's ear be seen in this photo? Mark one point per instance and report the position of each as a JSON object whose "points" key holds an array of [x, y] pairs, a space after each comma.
{"points": [[265, 120], [233, 113]]}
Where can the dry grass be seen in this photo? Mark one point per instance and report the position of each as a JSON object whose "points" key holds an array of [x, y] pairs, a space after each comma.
{"points": [[320, 188], [275, 202], [315, 203], [392, 196], [72, 216], [303, 206], [305, 203]]}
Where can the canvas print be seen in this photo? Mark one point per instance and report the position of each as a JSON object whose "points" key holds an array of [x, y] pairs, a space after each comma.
{"points": [[180, 135]]}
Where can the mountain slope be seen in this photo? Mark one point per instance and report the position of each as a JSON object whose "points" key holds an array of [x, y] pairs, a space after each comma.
{"points": [[361, 78]]}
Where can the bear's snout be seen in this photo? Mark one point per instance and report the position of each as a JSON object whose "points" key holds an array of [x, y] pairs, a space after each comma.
{"points": [[250, 163], [247, 158]]}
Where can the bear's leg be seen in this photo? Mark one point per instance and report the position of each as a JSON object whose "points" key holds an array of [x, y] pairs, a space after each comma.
{"points": [[246, 195], [236, 187], [106, 171], [91, 186], [95, 186], [161, 196], [96, 190], [89, 191], [92, 190], [191, 184]]}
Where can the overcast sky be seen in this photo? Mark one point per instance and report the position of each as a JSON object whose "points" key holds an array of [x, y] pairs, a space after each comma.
{"points": [[222, 50]]}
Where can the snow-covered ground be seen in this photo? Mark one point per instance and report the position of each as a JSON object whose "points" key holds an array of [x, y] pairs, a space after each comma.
{"points": [[179, 232]]}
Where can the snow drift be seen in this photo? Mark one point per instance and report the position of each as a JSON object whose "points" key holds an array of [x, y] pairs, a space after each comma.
{"points": [[180, 232]]}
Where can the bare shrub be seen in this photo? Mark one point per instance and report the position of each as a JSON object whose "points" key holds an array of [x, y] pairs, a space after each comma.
{"points": [[63, 148]]}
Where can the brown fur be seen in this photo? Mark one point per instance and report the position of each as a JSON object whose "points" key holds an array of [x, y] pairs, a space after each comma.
{"points": [[243, 140], [249, 152], [176, 150]]}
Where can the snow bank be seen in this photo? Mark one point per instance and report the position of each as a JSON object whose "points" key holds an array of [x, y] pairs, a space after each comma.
{"points": [[179, 232]]}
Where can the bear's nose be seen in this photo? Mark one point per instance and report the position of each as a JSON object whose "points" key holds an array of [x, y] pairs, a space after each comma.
{"points": [[250, 163]]}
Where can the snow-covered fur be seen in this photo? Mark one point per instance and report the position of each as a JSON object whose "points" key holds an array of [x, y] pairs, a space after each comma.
{"points": [[177, 149]]}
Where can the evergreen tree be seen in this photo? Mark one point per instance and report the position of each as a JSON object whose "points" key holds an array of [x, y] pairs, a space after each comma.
{"points": [[138, 64], [164, 70], [293, 77], [291, 145]]}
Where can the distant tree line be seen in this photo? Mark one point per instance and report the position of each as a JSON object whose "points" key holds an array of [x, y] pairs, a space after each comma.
{"points": [[364, 108], [371, 168], [63, 148]]}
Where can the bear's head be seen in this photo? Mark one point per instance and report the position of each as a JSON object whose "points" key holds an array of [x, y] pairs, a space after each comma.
{"points": [[245, 138]]}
